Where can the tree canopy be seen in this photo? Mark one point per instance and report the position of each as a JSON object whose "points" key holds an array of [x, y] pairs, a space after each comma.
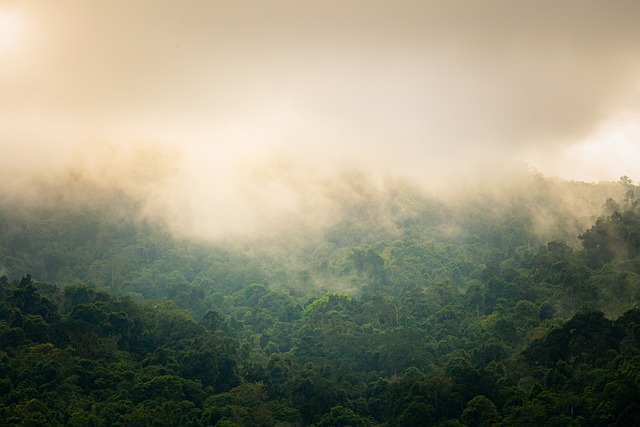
{"points": [[476, 312]]}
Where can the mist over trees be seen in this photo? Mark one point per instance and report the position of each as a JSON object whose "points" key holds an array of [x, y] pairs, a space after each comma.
{"points": [[508, 304]]}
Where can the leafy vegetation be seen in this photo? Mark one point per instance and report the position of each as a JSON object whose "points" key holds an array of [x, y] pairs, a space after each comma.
{"points": [[483, 310]]}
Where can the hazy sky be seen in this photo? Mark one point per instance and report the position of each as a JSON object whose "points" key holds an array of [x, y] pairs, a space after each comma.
{"points": [[242, 91]]}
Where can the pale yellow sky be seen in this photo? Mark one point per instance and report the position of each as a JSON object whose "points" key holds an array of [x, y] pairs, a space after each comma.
{"points": [[424, 89]]}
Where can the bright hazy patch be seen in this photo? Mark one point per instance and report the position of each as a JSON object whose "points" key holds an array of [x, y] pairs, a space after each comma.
{"points": [[258, 102], [11, 30], [613, 146]]}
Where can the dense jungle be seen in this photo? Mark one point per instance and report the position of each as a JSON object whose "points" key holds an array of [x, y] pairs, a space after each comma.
{"points": [[514, 305]]}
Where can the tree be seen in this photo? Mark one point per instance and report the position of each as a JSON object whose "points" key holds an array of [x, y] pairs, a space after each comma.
{"points": [[480, 412]]}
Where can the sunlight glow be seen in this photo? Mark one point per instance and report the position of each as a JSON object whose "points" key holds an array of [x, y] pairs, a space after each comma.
{"points": [[11, 29], [610, 152]]}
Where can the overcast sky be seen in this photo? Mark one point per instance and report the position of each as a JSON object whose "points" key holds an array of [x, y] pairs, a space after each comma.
{"points": [[425, 89]]}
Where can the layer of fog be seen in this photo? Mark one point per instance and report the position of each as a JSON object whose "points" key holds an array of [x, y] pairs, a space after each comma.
{"points": [[280, 205]]}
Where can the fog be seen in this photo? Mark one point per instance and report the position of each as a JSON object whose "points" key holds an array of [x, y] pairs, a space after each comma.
{"points": [[229, 116]]}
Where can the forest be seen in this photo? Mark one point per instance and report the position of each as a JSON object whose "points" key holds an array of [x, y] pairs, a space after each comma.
{"points": [[508, 306]]}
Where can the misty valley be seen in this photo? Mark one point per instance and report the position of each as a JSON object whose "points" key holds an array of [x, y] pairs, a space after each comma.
{"points": [[510, 304], [364, 213]]}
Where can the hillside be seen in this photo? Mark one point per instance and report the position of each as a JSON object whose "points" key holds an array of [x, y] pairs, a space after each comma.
{"points": [[508, 304]]}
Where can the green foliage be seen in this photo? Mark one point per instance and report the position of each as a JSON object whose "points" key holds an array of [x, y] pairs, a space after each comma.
{"points": [[404, 311], [615, 237], [480, 412]]}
